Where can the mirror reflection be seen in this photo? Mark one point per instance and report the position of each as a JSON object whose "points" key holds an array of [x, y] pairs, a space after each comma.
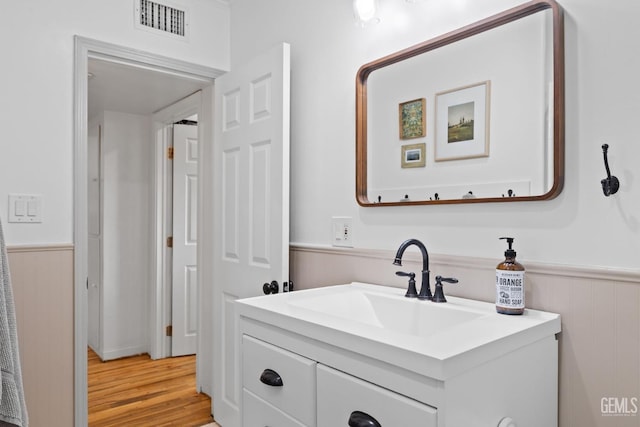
{"points": [[474, 115]]}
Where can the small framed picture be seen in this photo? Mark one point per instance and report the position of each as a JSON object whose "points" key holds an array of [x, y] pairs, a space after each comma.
{"points": [[413, 155], [411, 118], [462, 123]]}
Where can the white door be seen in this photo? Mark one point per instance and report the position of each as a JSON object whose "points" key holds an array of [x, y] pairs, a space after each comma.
{"points": [[184, 313], [251, 203]]}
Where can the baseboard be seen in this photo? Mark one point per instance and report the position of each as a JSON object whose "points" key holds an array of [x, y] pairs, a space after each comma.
{"points": [[122, 352]]}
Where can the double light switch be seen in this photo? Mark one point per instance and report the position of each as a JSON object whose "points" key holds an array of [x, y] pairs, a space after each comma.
{"points": [[25, 208]]}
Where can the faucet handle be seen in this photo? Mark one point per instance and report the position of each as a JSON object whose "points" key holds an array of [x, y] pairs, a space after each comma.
{"points": [[438, 295], [411, 290]]}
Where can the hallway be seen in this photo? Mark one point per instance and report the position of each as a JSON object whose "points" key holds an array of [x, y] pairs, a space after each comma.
{"points": [[143, 392]]}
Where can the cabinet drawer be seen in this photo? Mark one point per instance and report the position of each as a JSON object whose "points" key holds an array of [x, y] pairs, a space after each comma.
{"points": [[339, 395], [258, 413], [297, 395]]}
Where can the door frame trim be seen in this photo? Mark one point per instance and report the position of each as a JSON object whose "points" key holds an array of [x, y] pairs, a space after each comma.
{"points": [[84, 49], [160, 314]]}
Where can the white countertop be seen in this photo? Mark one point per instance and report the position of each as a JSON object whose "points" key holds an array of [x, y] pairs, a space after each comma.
{"points": [[440, 340]]}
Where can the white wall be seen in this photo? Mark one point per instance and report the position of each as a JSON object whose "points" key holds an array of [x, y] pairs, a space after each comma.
{"points": [[36, 106], [580, 227], [126, 145]]}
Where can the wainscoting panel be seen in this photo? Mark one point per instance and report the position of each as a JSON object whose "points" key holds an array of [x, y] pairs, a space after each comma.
{"points": [[42, 279], [599, 357]]}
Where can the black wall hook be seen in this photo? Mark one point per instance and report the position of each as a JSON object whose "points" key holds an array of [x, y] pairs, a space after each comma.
{"points": [[611, 184]]}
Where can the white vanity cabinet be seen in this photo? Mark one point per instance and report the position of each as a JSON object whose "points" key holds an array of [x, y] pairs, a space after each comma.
{"points": [[481, 371], [340, 396], [290, 402], [308, 388]]}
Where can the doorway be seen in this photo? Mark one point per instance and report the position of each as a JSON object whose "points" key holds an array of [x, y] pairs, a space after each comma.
{"points": [[128, 60], [120, 236]]}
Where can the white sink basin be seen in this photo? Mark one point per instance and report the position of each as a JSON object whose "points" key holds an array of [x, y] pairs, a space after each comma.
{"points": [[439, 340], [390, 311]]}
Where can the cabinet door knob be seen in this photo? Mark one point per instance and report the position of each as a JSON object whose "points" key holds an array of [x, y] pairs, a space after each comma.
{"points": [[361, 419], [271, 378]]}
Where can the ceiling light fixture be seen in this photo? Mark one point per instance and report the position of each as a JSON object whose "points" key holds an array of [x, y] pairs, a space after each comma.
{"points": [[365, 11]]}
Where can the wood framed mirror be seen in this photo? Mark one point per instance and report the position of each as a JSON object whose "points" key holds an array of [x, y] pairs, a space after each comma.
{"points": [[475, 115]]}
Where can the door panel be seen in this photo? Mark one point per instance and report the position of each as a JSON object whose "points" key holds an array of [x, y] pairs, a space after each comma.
{"points": [[184, 311], [251, 201]]}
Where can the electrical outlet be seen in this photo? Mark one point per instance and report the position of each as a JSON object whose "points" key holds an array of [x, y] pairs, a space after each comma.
{"points": [[342, 231]]}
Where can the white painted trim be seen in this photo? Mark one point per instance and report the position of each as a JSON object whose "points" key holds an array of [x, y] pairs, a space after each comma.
{"points": [[84, 49], [159, 231], [205, 244], [122, 352], [80, 231], [54, 247], [583, 272], [145, 60]]}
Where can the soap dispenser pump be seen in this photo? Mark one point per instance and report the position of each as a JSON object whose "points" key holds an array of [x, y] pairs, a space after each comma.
{"points": [[510, 283]]}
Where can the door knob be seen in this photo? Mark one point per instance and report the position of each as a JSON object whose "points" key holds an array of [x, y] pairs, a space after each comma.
{"points": [[270, 288]]}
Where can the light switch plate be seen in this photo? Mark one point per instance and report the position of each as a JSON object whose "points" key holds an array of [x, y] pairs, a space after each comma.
{"points": [[26, 208], [342, 231]]}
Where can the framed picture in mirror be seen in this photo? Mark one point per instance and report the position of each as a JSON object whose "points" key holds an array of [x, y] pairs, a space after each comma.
{"points": [[411, 117], [462, 122], [413, 155]]}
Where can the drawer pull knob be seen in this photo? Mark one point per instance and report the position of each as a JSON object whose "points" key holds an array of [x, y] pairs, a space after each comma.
{"points": [[361, 419], [271, 377]]}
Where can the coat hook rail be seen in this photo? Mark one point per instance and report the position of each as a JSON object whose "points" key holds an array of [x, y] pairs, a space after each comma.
{"points": [[611, 184]]}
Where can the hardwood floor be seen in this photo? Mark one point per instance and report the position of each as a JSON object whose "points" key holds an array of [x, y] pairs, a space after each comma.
{"points": [[138, 391]]}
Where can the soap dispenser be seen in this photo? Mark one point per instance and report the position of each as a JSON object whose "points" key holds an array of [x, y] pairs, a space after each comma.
{"points": [[510, 283]]}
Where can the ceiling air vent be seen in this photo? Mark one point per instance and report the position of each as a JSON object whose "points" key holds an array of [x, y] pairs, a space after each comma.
{"points": [[161, 17]]}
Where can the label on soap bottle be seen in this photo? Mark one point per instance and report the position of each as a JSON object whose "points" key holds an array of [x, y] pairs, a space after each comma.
{"points": [[510, 288]]}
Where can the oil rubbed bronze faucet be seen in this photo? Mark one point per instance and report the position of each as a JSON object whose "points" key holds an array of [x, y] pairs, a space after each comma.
{"points": [[425, 289]]}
